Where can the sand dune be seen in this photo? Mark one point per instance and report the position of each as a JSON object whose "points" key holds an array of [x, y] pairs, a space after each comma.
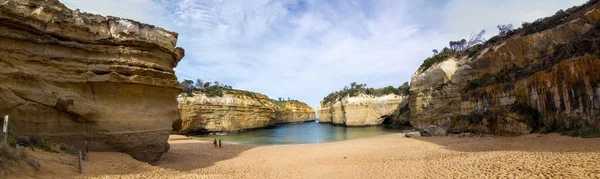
{"points": [[387, 156]]}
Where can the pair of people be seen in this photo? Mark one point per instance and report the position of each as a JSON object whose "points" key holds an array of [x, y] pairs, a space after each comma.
{"points": [[217, 144]]}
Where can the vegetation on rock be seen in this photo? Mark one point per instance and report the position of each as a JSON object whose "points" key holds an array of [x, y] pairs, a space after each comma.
{"points": [[356, 89], [13, 154], [457, 48], [478, 43], [214, 89], [436, 58], [561, 16], [209, 88]]}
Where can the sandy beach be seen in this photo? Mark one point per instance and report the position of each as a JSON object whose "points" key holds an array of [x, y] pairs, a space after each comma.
{"points": [[386, 156]]}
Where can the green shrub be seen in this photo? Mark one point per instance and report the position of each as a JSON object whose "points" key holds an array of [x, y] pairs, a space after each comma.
{"points": [[33, 162], [8, 153], [590, 133], [212, 91], [472, 53], [10, 156], [356, 89], [445, 54], [474, 50], [553, 21], [41, 144], [404, 89]]}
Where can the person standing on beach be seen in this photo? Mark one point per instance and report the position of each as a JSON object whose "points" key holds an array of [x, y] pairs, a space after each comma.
{"points": [[219, 142], [215, 142]]}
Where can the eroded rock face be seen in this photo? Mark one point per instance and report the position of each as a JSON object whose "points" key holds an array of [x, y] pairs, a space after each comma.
{"points": [[362, 110], [236, 110], [69, 77], [546, 80]]}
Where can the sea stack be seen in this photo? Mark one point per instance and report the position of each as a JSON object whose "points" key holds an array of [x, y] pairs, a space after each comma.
{"points": [[362, 110]]}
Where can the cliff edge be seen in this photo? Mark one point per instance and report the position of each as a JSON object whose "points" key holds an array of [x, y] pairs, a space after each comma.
{"points": [[71, 77], [363, 110], [542, 77], [236, 110]]}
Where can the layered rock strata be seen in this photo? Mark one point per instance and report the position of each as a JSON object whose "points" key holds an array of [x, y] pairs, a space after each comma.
{"points": [[364, 110], [71, 77], [236, 110], [543, 81]]}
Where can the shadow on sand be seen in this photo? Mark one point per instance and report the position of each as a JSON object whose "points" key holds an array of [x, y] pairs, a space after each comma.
{"points": [[529, 143], [191, 154]]}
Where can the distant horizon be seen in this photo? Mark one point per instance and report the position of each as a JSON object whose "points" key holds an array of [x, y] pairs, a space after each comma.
{"points": [[306, 49]]}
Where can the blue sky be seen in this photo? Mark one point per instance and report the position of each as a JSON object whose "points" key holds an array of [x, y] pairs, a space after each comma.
{"points": [[305, 49]]}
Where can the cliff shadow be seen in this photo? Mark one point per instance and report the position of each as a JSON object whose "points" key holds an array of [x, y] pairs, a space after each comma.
{"points": [[186, 155], [528, 143]]}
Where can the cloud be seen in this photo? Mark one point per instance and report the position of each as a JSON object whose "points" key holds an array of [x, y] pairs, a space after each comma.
{"points": [[465, 16], [305, 49]]}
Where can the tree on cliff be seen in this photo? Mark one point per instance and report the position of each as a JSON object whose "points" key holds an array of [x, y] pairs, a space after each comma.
{"points": [[475, 39], [199, 83], [208, 88], [404, 89], [504, 29], [356, 89], [187, 86]]}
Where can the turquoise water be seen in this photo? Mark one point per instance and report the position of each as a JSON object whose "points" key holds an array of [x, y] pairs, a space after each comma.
{"points": [[302, 133]]}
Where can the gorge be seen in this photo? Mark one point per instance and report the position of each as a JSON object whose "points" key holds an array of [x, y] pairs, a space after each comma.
{"points": [[93, 96], [108, 84]]}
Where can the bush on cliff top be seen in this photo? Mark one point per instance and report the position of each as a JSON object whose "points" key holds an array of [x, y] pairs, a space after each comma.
{"points": [[283, 100], [445, 54], [561, 16], [214, 89], [356, 89], [208, 88]]}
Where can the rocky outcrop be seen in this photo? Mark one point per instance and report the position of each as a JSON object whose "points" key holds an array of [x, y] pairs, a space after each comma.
{"points": [[71, 77], [364, 110], [546, 80], [236, 110]]}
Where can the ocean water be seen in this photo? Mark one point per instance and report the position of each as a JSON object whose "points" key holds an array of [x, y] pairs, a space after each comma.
{"points": [[301, 133]]}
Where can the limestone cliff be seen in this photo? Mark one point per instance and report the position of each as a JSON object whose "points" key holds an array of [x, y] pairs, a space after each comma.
{"points": [[362, 110], [236, 110], [71, 77], [529, 81]]}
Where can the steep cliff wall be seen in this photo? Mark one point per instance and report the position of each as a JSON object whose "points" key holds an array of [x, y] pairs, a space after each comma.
{"points": [[236, 110], [361, 110], [69, 77], [547, 80]]}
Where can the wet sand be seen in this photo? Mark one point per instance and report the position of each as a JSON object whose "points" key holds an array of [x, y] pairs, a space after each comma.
{"points": [[386, 156]]}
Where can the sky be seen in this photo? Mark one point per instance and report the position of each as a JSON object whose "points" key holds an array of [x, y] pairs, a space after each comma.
{"points": [[306, 49]]}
